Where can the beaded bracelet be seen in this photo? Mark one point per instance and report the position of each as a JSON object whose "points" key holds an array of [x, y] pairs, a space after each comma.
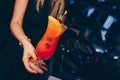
{"points": [[25, 37]]}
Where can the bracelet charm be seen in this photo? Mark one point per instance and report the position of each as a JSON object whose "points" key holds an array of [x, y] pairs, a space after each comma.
{"points": [[25, 37]]}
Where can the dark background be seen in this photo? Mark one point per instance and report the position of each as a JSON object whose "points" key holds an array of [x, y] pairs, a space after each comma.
{"points": [[6, 8], [77, 19]]}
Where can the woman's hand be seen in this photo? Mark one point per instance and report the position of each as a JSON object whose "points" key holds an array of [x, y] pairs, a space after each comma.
{"points": [[29, 56], [31, 62]]}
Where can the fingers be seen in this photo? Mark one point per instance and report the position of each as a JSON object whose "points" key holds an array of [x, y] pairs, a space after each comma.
{"points": [[36, 68], [41, 64], [34, 57], [32, 64], [43, 68], [27, 66]]}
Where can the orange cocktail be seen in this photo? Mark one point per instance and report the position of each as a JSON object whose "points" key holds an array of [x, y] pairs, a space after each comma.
{"points": [[48, 43]]}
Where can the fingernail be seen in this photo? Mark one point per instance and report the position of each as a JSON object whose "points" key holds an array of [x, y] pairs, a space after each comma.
{"points": [[37, 59], [34, 72]]}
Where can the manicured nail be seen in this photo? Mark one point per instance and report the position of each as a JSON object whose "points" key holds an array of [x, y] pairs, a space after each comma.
{"points": [[34, 72], [37, 59]]}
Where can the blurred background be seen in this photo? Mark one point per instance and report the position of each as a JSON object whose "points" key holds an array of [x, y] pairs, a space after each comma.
{"points": [[92, 44]]}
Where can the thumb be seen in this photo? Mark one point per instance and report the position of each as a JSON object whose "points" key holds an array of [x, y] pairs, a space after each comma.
{"points": [[34, 56]]}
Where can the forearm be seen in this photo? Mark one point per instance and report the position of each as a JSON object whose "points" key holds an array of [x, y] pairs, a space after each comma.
{"points": [[18, 32], [17, 20]]}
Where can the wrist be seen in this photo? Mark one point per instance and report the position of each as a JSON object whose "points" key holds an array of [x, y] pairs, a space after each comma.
{"points": [[24, 41]]}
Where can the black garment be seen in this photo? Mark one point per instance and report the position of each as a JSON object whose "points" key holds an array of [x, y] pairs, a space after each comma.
{"points": [[6, 11], [34, 24]]}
